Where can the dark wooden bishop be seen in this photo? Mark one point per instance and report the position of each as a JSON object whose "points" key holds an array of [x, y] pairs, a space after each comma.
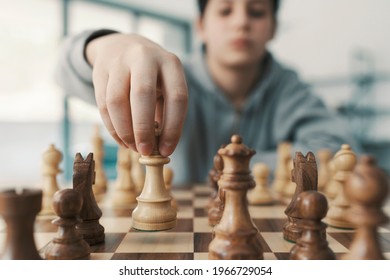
{"points": [[367, 189], [236, 237], [69, 244], [312, 207], [83, 179], [19, 210], [305, 176]]}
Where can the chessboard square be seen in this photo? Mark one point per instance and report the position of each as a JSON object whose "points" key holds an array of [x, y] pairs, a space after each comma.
{"points": [[272, 211], [43, 238], [156, 242], [336, 245], [124, 212], [181, 195], [202, 241], [201, 256], [270, 256], [119, 224], [184, 203], [201, 202], [202, 190], [101, 256], [110, 244], [200, 212], [276, 242], [183, 225], [341, 239], [185, 212], [202, 225], [269, 225], [153, 256]]}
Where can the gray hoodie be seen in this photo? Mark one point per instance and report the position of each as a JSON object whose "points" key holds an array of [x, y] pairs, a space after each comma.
{"points": [[279, 108]]}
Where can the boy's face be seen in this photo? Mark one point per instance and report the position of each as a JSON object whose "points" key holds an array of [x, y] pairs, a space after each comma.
{"points": [[236, 32]]}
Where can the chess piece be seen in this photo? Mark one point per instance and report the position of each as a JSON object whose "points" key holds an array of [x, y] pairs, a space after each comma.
{"points": [[344, 162], [312, 207], [236, 236], [19, 209], [100, 186], [324, 158], [168, 178], [125, 192], [51, 159], [282, 173], [305, 176], [69, 244], [261, 194], [367, 189], [290, 187], [154, 211], [83, 179], [216, 203], [333, 185], [137, 171]]}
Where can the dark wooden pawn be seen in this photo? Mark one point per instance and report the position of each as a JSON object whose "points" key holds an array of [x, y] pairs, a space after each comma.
{"points": [[69, 244], [367, 189], [311, 245], [19, 210], [305, 176], [90, 214]]}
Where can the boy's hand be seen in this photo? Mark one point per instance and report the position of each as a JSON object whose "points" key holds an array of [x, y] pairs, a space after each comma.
{"points": [[137, 82]]}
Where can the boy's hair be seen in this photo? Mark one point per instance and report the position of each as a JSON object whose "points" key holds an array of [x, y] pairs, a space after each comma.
{"points": [[202, 6]]}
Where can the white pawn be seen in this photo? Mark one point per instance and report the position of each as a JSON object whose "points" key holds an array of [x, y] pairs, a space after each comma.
{"points": [[261, 194], [50, 168], [344, 162], [289, 189], [168, 178], [324, 172], [137, 171], [124, 193], [100, 186], [282, 173], [154, 211]]}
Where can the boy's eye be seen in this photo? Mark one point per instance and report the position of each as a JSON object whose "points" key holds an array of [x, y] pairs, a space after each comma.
{"points": [[225, 11], [256, 12]]}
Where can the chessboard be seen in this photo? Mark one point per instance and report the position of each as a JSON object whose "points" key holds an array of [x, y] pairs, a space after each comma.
{"points": [[190, 239]]}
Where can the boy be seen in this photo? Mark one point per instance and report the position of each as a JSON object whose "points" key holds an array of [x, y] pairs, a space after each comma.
{"points": [[233, 86]]}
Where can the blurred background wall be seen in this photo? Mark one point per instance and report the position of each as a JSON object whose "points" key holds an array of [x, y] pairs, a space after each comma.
{"points": [[340, 47]]}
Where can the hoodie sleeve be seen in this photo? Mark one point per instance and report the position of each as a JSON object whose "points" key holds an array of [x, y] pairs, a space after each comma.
{"points": [[73, 73], [304, 119]]}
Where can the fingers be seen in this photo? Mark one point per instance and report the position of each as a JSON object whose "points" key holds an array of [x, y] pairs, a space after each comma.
{"points": [[118, 103], [100, 79], [143, 100], [175, 104]]}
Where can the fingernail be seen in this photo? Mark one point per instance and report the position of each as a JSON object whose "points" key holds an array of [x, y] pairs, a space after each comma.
{"points": [[167, 148], [145, 148]]}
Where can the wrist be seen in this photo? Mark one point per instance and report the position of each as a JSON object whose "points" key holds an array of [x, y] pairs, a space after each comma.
{"points": [[88, 50]]}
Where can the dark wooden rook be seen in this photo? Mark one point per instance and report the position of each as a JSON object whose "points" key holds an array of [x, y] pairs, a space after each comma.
{"points": [[19, 210]]}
